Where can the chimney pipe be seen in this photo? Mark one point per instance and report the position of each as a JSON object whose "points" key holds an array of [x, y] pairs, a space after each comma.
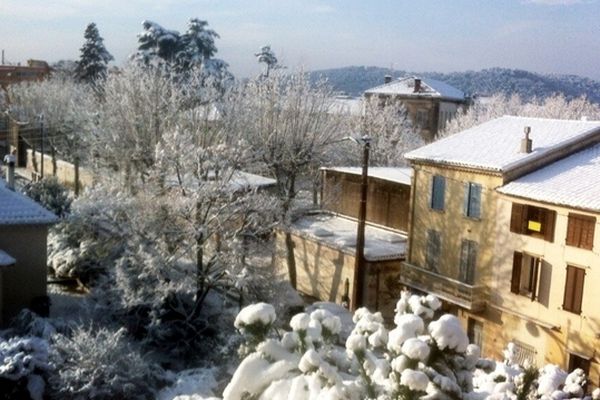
{"points": [[10, 160], [417, 85], [526, 143], [387, 79]]}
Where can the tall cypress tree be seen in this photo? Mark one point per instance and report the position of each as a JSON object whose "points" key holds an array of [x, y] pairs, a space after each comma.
{"points": [[94, 58]]}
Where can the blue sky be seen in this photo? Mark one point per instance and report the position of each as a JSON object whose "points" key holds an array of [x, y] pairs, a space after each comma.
{"points": [[550, 36]]}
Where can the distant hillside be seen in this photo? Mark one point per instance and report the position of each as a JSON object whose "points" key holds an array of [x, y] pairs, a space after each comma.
{"points": [[355, 80]]}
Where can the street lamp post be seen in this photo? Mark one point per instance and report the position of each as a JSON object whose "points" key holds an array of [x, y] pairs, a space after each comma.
{"points": [[360, 273]]}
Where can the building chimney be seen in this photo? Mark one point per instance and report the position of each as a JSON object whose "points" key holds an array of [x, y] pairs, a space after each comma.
{"points": [[417, 85], [526, 143], [10, 160], [387, 79]]}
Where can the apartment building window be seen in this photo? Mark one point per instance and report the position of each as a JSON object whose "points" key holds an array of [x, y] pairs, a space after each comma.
{"points": [[574, 289], [468, 261], [475, 332], [434, 246], [438, 188], [577, 361], [472, 202], [533, 221], [580, 231], [423, 118], [524, 353], [525, 275]]}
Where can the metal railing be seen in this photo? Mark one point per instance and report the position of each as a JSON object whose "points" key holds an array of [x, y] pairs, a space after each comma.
{"points": [[472, 297]]}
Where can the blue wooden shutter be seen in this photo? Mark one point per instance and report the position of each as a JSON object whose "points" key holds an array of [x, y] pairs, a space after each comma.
{"points": [[437, 197], [467, 199], [474, 200]]}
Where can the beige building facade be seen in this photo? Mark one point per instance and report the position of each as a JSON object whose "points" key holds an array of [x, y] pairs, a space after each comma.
{"points": [[502, 233]]}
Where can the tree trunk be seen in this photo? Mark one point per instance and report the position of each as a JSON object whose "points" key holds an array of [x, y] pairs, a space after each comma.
{"points": [[76, 171], [291, 259], [53, 153]]}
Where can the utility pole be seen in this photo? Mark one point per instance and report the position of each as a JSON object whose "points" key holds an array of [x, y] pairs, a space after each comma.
{"points": [[42, 145], [360, 272]]}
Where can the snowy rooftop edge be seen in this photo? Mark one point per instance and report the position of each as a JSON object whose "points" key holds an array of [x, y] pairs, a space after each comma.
{"points": [[340, 233], [18, 209], [401, 86], [393, 174], [573, 181], [6, 259], [494, 145]]}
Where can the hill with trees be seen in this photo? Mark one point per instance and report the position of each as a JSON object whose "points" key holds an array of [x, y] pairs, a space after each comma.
{"points": [[354, 80]]}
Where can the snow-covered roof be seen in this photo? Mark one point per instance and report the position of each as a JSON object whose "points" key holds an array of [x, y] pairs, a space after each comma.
{"points": [[6, 259], [495, 145], [18, 209], [345, 105], [392, 174], [244, 180], [429, 88], [339, 232], [239, 180], [573, 181]]}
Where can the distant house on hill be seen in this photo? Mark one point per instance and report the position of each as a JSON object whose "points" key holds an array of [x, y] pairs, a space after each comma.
{"points": [[35, 70], [23, 251], [430, 103]]}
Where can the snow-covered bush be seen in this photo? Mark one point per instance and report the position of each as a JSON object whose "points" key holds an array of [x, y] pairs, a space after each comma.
{"points": [[425, 356], [98, 363], [51, 194], [508, 380], [24, 362], [88, 242], [421, 356]]}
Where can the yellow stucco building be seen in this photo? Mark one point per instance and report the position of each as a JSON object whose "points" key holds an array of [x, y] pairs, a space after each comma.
{"points": [[502, 228]]}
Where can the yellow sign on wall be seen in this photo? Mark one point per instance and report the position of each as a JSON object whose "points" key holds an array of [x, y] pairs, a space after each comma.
{"points": [[534, 226]]}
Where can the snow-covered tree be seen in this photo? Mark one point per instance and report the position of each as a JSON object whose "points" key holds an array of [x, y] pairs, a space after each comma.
{"points": [[92, 64], [50, 194], [58, 112], [498, 105], [390, 130], [139, 106], [283, 119], [267, 56], [183, 57]]}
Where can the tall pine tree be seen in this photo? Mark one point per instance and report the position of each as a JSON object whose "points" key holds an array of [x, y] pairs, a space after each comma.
{"points": [[92, 64]]}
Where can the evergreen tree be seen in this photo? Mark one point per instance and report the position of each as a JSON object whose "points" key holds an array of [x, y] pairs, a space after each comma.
{"points": [[197, 44], [267, 56], [94, 57]]}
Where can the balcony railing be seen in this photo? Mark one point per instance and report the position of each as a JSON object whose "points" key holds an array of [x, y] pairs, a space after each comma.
{"points": [[467, 296]]}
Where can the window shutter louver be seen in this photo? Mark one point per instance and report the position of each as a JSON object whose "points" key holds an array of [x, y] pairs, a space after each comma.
{"points": [[550, 217], [475, 201], [517, 217], [516, 272], [578, 290], [534, 285], [467, 197]]}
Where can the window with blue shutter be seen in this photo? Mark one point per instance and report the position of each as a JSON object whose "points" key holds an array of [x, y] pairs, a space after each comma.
{"points": [[468, 261], [472, 204], [438, 188]]}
